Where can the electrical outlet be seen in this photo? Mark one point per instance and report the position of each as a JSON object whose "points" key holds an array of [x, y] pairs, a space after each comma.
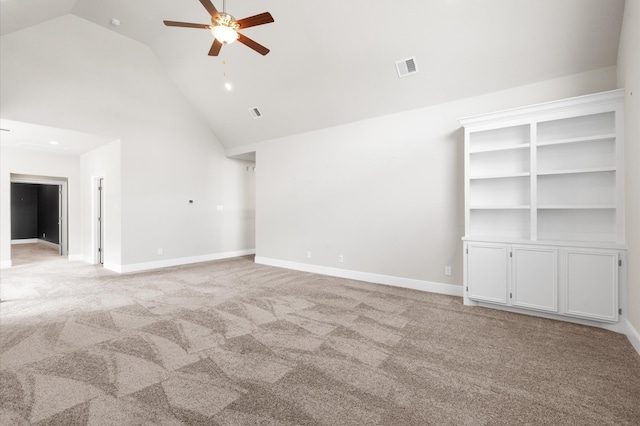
{"points": [[308, 255], [340, 258], [447, 270], [159, 251], [44, 235]]}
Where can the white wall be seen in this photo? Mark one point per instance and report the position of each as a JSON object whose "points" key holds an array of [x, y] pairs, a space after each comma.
{"points": [[26, 162], [72, 74], [629, 78], [238, 217], [103, 162], [385, 193]]}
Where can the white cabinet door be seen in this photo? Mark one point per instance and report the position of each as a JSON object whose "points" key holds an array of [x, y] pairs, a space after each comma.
{"points": [[591, 279], [535, 278], [487, 272]]}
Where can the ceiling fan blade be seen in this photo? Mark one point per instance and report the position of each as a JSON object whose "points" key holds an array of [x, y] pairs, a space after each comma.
{"points": [[186, 25], [252, 44], [215, 48], [252, 21], [210, 8]]}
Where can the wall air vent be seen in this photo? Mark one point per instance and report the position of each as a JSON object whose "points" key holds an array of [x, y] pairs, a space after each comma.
{"points": [[407, 67], [255, 112]]}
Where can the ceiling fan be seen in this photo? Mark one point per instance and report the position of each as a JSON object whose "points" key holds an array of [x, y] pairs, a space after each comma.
{"points": [[225, 28]]}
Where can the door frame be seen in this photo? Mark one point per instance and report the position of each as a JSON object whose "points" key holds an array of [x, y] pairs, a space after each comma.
{"points": [[63, 209], [97, 219]]}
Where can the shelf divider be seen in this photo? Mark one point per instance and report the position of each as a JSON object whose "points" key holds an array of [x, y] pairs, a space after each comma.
{"points": [[496, 207], [576, 171], [501, 175], [576, 206], [605, 137], [499, 148]]}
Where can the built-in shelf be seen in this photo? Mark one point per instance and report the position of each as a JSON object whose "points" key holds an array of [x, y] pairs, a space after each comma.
{"points": [[576, 171], [544, 208], [549, 171], [596, 138], [575, 206], [498, 207], [549, 242], [501, 175], [500, 148]]}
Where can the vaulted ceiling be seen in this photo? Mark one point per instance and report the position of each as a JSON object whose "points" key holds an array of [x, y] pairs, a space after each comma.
{"points": [[333, 62]]}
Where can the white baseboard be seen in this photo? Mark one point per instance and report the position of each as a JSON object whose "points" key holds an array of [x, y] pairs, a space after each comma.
{"points": [[25, 241], [145, 266], [33, 241], [4, 264], [75, 257], [633, 336], [48, 243], [110, 266], [432, 287]]}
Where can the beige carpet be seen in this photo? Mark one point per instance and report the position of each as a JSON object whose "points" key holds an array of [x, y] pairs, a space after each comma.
{"points": [[235, 343]]}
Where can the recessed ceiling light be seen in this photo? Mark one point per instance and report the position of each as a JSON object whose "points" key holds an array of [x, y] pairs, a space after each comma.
{"points": [[41, 147], [53, 142], [228, 86]]}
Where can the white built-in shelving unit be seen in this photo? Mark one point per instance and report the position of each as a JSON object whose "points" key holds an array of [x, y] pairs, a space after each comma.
{"points": [[544, 202]]}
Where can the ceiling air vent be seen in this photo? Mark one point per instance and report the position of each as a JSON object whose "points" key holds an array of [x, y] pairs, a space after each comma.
{"points": [[255, 112], [407, 67]]}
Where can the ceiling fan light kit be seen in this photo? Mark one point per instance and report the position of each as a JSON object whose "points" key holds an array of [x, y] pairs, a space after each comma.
{"points": [[225, 28]]}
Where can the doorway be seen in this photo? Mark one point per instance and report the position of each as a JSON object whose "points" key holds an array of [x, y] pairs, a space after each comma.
{"points": [[39, 211]]}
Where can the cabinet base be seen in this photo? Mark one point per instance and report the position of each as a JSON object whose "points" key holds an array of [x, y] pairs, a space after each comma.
{"points": [[618, 327]]}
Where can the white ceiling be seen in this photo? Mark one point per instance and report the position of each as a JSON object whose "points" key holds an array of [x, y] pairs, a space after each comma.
{"points": [[333, 62], [48, 139]]}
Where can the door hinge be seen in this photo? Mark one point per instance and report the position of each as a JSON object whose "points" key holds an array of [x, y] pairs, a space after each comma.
{"points": [[510, 254], [467, 288], [619, 262], [620, 311], [510, 295], [99, 250], [467, 251], [99, 188]]}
